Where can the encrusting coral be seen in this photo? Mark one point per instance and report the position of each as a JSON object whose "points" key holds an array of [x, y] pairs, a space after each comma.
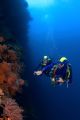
{"points": [[12, 109], [9, 68], [10, 81]]}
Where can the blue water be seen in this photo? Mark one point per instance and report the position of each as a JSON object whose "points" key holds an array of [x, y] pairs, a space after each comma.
{"points": [[55, 31]]}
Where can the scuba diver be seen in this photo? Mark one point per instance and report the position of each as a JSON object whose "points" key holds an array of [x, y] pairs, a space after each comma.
{"points": [[62, 72], [44, 67], [59, 72]]}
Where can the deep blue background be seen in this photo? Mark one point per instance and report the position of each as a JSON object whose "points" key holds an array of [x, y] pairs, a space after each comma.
{"points": [[55, 31]]}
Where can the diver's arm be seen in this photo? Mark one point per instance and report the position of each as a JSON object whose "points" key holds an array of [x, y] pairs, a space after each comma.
{"points": [[40, 72], [48, 67]]}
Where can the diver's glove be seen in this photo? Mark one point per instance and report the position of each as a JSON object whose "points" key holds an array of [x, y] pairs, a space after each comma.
{"points": [[38, 72]]}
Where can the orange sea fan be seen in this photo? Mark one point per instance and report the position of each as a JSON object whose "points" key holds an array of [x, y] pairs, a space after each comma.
{"points": [[2, 48], [2, 78], [13, 89], [16, 67], [12, 110], [10, 69], [2, 39], [14, 83], [4, 88], [12, 55], [21, 82], [12, 77], [5, 67]]}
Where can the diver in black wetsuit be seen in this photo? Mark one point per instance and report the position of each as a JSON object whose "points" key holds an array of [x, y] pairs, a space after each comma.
{"points": [[46, 61], [62, 72], [59, 72]]}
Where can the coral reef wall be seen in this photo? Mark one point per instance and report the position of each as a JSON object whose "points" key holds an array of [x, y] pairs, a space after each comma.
{"points": [[10, 80], [14, 24]]}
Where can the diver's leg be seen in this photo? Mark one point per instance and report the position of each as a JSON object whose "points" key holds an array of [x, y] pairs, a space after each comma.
{"points": [[53, 79], [57, 80], [53, 82]]}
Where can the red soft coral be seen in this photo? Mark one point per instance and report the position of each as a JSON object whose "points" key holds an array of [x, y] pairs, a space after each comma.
{"points": [[12, 55], [2, 48], [2, 39], [12, 110], [5, 67]]}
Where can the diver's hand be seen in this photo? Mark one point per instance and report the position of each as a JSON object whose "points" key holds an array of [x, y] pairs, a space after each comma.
{"points": [[60, 80], [38, 72]]}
